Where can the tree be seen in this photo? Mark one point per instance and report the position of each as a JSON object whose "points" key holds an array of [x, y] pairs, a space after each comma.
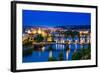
{"points": [[50, 48], [52, 59], [27, 42], [61, 56], [38, 38], [82, 54], [27, 51], [76, 56]]}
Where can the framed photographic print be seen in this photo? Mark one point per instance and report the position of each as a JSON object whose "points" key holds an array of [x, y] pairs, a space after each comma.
{"points": [[47, 36]]}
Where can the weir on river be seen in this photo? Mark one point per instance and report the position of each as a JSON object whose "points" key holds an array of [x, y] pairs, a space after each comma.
{"points": [[34, 43]]}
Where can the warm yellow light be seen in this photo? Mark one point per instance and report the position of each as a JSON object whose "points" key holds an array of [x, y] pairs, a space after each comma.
{"points": [[34, 32], [28, 31], [85, 32], [39, 31], [80, 32], [44, 34], [49, 39], [49, 34]]}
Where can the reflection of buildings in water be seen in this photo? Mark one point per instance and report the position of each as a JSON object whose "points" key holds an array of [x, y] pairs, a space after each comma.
{"points": [[67, 53], [50, 54], [69, 46], [56, 46], [76, 46], [39, 53], [43, 48]]}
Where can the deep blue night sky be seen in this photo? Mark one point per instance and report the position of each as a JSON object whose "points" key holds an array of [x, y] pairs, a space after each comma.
{"points": [[50, 18]]}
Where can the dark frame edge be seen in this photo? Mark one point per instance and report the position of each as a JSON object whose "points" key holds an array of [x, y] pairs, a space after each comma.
{"points": [[13, 36], [57, 68], [55, 4], [96, 36]]}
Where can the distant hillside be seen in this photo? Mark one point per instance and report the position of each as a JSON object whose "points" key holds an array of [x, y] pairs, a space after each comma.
{"points": [[77, 27]]}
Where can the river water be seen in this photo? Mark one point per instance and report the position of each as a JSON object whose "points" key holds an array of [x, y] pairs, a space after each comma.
{"points": [[44, 54]]}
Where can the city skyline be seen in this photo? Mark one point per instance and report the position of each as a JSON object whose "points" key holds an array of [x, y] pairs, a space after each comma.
{"points": [[56, 36]]}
